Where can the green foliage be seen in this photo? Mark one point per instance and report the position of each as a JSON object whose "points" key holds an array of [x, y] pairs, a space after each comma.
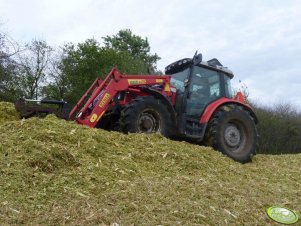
{"points": [[9, 80], [126, 41], [279, 129], [59, 84], [37, 72], [53, 91], [9, 83], [84, 62]]}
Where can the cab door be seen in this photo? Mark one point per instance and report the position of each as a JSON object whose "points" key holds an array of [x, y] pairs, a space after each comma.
{"points": [[203, 88]]}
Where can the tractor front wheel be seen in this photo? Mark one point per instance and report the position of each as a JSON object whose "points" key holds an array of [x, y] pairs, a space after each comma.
{"points": [[146, 115], [232, 131]]}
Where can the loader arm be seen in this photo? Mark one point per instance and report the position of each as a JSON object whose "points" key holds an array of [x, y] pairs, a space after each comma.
{"points": [[101, 93]]}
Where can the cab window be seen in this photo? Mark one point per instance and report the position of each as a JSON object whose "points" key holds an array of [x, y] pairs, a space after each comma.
{"points": [[204, 87]]}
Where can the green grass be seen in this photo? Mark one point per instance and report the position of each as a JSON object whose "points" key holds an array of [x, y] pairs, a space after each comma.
{"points": [[55, 172]]}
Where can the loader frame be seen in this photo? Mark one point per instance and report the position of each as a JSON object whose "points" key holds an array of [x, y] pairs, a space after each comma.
{"points": [[100, 94]]}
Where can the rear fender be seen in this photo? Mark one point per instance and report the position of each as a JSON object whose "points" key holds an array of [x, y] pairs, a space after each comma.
{"points": [[211, 108]]}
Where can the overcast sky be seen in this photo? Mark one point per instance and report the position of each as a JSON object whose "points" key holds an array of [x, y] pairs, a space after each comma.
{"points": [[258, 40]]}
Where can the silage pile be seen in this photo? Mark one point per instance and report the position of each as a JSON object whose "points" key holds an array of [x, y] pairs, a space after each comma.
{"points": [[57, 172], [8, 112]]}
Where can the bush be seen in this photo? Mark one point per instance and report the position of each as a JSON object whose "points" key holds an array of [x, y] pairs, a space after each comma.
{"points": [[279, 129]]}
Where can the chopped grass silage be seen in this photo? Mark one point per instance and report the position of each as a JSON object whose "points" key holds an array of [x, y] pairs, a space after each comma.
{"points": [[8, 112], [56, 172]]}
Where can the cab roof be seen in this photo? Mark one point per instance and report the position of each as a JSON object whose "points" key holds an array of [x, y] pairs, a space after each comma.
{"points": [[182, 64]]}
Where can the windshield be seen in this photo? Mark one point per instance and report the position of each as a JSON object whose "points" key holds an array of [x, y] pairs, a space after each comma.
{"points": [[177, 80]]}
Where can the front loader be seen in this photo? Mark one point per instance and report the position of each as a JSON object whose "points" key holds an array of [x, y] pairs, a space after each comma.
{"points": [[192, 102]]}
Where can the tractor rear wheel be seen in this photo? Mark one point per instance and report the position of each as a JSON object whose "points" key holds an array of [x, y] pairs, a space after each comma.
{"points": [[232, 131], [146, 115]]}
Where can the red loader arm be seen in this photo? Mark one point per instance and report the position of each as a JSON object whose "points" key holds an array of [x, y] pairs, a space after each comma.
{"points": [[102, 93]]}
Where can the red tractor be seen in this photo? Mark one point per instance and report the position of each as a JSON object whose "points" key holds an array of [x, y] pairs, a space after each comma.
{"points": [[193, 102]]}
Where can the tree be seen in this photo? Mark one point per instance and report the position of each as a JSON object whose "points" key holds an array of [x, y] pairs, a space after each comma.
{"points": [[34, 63], [59, 84], [9, 80], [126, 41], [84, 62]]}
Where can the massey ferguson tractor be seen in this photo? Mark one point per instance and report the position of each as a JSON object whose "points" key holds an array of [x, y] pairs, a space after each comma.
{"points": [[193, 101]]}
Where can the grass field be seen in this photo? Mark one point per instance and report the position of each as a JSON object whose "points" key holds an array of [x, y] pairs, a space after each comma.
{"points": [[55, 172]]}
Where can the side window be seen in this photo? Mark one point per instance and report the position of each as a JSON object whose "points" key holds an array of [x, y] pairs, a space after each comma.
{"points": [[204, 87], [228, 88]]}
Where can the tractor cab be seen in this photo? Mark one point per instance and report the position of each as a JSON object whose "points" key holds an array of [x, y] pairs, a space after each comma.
{"points": [[198, 84]]}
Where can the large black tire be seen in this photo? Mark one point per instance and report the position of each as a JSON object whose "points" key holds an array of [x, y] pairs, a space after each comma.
{"points": [[146, 115], [233, 132]]}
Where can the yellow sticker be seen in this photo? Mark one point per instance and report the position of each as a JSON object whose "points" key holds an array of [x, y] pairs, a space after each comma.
{"points": [[159, 80], [104, 100], [93, 118], [136, 81], [167, 88]]}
